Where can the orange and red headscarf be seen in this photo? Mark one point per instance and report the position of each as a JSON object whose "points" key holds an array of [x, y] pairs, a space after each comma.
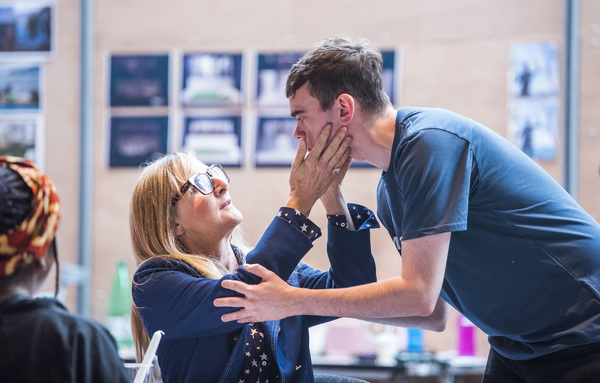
{"points": [[30, 239]]}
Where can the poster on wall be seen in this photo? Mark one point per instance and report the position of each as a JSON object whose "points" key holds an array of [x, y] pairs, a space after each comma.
{"points": [[534, 69], [19, 87], [533, 102], [137, 140], [389, 74], [212, 79], [275, 143], [139, 80], [214, 139], [27, 29], [273, 70], [533, 126], [21, 136]]}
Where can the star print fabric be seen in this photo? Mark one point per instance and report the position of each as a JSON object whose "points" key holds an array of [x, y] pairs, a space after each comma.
{"points": [[301, 222], [361, 217], [259, 365]]}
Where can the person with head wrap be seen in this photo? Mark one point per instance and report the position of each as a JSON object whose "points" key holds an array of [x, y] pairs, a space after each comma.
{"points": [[39, 339]]}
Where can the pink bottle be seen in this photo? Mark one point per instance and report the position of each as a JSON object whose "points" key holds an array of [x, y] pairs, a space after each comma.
{"points": [[466, 336]]}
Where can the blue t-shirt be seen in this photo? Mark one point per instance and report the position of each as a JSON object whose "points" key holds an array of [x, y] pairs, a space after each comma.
{"points": [[524, 257]]}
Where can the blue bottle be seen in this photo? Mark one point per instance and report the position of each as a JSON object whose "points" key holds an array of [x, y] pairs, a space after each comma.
{"points": [[415, 340]]}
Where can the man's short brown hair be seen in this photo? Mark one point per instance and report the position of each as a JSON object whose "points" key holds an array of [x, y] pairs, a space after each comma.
{"points": [[341, 65]]}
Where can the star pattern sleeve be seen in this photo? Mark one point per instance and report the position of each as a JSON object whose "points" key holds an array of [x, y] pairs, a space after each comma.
{"points": [[300, 222], [361, 217]]}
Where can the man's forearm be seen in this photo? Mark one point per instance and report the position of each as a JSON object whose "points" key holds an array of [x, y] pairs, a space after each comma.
{"points": [[434, 322], [386, 299]]}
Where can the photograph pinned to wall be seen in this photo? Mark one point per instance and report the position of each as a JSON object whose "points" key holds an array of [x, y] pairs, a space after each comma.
{"points": [[136, 140], [390, 71], [533, 126], [212, 79], [275, 143], [139, 80], [214, 139], [22, 136], [27, 30], [273, 70], [534, 69], [19, 86]]}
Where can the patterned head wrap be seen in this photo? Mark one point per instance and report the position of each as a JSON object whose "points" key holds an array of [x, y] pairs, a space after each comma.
{"points": [[30, 239]]}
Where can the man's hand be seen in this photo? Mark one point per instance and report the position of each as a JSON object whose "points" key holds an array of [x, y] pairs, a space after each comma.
{"points": [[269, 300], [312, 174]]}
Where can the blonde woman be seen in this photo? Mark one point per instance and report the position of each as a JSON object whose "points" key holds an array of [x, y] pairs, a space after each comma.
{"points": [[186, 237]]}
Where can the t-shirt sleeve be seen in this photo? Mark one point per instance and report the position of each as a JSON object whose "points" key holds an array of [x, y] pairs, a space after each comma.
{"points": [[434, 179]]}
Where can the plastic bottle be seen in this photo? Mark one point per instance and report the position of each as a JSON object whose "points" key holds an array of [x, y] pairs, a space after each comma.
{"points": [[415, 340], [466, 336], [119, 306]]}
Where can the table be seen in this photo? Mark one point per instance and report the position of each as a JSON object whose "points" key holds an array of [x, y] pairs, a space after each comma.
{"points": [[410, 367]]}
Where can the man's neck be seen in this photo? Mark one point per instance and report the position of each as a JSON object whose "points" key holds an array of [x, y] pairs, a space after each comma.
{"points": [[372, 142]]}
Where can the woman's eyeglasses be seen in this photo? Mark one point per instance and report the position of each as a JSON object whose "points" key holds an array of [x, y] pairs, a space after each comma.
{"points": [[202, 181]]}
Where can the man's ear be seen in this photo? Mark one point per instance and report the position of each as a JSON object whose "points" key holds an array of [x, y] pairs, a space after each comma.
{"points": [[347, 105]]}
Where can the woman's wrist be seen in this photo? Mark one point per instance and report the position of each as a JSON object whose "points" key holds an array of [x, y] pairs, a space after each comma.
{"points": [[334, 204], [299, 204]]}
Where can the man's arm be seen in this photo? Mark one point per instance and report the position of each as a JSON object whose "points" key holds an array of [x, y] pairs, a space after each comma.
{"points": [[414, 294], [434, 322]]}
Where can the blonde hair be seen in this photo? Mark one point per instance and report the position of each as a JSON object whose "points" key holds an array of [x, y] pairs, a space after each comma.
{"points": [[152, 223]]}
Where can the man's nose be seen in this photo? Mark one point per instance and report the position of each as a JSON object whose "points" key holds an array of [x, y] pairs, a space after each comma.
{"points": [[298, 134]]}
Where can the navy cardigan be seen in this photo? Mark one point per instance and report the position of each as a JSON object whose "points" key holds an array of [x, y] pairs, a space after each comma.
{"points": [[175, 298]]}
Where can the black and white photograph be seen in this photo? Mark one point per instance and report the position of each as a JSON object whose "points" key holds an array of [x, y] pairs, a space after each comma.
{"points": [[275, 144], [21, 136], [533, 126], [273, 70], [139, 80], [136, 140], [534, 69], [390, 74], [214, 139], [212, 79]]}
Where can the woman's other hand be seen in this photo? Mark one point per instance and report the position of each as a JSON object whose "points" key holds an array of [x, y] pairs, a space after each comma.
{"points": [[311, 175]]}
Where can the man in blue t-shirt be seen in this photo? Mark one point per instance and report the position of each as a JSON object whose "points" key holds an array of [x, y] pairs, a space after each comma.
{"points": [[479, 225]]}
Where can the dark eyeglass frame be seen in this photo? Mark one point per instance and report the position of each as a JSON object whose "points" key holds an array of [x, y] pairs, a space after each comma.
{"points": [[214, 171]]}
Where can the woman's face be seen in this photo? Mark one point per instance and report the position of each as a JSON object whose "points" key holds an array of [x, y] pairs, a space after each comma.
{"points": [[205, 220]]}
